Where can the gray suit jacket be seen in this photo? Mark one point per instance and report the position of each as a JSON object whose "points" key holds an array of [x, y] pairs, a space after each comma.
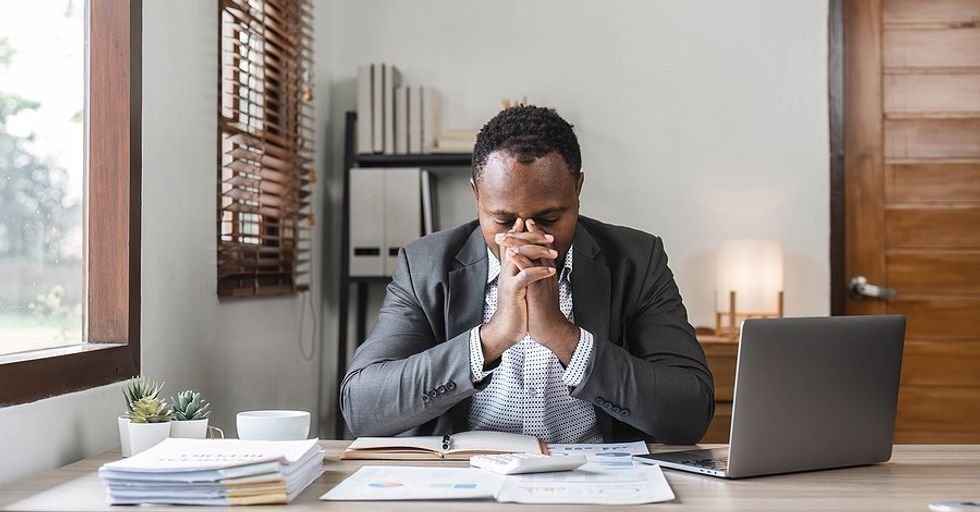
{"points": [[648, 378]]}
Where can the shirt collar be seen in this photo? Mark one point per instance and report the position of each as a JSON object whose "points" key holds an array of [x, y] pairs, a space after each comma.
{"points": [[493, 266]]}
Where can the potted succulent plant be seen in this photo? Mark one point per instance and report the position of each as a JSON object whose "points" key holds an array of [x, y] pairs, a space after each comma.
{"points": [[136, 389], [191, 413], [149, 423]]}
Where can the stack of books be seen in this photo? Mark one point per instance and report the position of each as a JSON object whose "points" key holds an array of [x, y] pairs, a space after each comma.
{"points": [[396, 119], [214, 472]]}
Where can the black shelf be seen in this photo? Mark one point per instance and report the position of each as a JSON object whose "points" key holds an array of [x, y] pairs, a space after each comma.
{"points": [[431, 160], [369, 279]]}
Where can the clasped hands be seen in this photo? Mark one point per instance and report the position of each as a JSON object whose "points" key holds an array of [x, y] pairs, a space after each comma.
{"points": [[527, 296]]}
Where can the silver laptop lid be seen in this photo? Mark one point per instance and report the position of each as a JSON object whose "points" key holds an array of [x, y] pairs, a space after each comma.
{"points": [[814, 393]]}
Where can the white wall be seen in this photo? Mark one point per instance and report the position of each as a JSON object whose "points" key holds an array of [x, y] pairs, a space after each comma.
{"points": [[242, 354], [699, 121]]}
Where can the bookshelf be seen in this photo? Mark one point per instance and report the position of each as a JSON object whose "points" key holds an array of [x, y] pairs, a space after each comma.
{"points": [[361, 284]]}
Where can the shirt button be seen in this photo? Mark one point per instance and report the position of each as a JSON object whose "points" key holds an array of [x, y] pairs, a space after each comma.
{"points": [[626, 412], [450, 385], [441, 389], [600, 402], [432, 393], [425, 398], [616, 410]]}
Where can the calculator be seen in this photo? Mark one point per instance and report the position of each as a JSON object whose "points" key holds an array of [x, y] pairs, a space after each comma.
{"points": [[521, 463]]}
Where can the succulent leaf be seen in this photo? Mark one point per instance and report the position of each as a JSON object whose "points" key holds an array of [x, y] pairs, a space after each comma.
{"points": [[190, 405], [150, 410], [138, 388]]}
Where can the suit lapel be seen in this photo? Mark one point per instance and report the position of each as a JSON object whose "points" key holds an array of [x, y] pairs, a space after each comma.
{"points": [[591, 299], [467, 286], [464, 305], [590, 286]]}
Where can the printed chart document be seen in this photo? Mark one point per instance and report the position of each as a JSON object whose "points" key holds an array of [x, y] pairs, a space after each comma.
{"points": [[415, 483], [601, 452], [589, 484]]}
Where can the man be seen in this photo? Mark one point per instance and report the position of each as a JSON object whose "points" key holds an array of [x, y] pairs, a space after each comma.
{"points": [[532, 319]]}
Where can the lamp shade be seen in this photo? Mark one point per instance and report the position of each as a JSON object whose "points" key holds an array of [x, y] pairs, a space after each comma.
{"points": [[753, 269]]}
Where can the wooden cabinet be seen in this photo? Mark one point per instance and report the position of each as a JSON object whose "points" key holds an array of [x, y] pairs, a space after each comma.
{"points": [[721, 353]]}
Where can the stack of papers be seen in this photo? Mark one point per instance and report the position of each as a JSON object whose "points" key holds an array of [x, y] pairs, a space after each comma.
{"points": [[215, 472]]}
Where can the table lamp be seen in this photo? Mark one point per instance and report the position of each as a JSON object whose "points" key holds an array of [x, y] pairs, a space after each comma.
{"points": [[749, 283]]}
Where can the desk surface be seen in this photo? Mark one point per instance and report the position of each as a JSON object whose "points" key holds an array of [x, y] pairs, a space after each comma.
{"points": [[916, 476]]}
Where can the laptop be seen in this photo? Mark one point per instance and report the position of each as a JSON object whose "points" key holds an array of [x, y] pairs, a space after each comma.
{"points": [[810, 393]]}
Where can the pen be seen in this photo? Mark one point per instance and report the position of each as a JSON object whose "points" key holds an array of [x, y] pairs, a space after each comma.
{"points": [[447, 442]]}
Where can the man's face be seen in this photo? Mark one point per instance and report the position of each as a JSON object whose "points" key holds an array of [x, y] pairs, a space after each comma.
{"points": [[543, 190]]}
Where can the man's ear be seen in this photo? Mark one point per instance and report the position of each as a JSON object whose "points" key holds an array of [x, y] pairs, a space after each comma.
{"points": [[476, 191], [578, 185]]}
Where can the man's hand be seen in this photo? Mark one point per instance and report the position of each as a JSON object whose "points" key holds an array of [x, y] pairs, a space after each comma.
{"points": [[546, 323], [519, 250]]}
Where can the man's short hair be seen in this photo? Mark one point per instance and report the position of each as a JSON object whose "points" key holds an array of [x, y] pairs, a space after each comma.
{"points": [[527, 133]]}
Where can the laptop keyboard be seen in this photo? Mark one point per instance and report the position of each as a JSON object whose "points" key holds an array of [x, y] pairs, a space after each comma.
{"points": [[717, 463]]}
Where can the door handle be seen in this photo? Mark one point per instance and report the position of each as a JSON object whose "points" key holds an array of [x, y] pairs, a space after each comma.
{"points": [[860, 287]]}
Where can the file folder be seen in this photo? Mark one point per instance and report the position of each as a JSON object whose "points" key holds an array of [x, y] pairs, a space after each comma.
{"points": [[415, 120], [365, 117], [377, 108], [403, 212], [392, 80], [367, 230]]}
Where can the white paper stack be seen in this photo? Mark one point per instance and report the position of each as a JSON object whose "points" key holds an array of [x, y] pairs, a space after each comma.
{"points": [[214, 472], [455, 141]]}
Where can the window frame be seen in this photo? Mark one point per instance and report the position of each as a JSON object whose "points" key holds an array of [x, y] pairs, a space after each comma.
{"points": [[112, 204]]}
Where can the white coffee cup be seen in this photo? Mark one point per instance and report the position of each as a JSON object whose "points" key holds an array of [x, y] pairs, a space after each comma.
{"points": [[273, 425]]}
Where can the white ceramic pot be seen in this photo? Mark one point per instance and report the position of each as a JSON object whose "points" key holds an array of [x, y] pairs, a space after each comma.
{"points": [[193, 429], [123, 421], [273, 425], [146, 435]]}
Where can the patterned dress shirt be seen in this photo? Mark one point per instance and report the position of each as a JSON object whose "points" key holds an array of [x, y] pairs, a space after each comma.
{"points": [[529, 391]]}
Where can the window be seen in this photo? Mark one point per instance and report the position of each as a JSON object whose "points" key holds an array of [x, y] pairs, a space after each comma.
{"points": [[78, 321], [41, 174], [266, 147]]}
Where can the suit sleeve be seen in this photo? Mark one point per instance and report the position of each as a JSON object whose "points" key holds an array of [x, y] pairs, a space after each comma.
{"points": [[660, 383], [402, 376]]}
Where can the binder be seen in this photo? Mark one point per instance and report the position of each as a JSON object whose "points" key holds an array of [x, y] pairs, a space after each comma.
{"points": [[401, 120], [392, 80], [367, 216], [415, 120], [430, 210], [402, 212], [377, 108], [431, 112], [364, 116]]}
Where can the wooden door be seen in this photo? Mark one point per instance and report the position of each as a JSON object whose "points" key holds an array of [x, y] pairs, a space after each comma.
{"points": [[911, 102]]}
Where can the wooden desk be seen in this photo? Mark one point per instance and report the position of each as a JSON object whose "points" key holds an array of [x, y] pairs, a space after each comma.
{"points": [[916, 476]]}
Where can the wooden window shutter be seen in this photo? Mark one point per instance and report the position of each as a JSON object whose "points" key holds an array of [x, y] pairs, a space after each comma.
{"points": [[265, 168]]}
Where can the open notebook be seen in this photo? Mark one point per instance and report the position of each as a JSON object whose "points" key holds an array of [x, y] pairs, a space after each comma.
{"points": [[461, 446]]}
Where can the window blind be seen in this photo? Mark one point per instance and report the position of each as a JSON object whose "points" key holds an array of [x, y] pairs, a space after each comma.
{"points": [[265, 124]]}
